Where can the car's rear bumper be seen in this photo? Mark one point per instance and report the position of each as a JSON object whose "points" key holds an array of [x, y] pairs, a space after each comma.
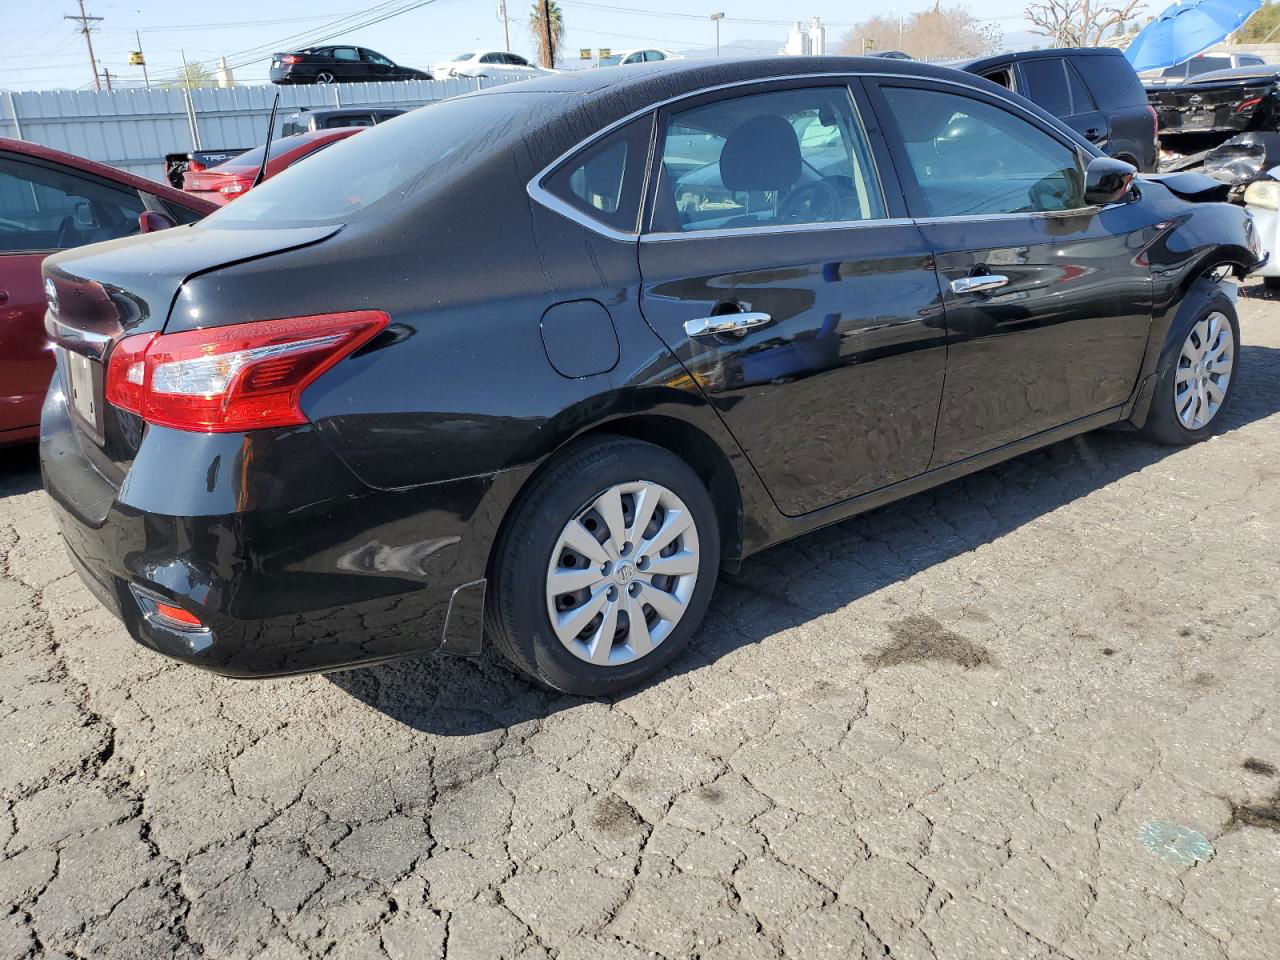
{"points": [[298, 568]]}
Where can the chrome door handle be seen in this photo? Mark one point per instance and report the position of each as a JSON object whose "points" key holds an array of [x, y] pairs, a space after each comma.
{"points": [[986, 281], [725, 323]]}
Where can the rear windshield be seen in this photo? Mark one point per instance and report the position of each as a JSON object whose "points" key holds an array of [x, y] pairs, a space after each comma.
{"points": [[1112, 81], [253, 158], [390, 161]]}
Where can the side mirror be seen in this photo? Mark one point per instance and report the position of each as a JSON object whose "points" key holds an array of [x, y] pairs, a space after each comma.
{"points": [[152, 220], [1107, 180]]}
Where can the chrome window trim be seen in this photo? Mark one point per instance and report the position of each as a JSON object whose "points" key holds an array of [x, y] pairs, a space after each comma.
{"points": [[540, 194], [773, 228]]}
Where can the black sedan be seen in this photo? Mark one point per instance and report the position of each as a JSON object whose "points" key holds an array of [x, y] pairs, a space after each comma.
{"points": [[338, 64], [541, 360]]}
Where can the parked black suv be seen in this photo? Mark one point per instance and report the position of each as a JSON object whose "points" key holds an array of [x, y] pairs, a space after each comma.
{"points": [[1092, 90], [340, 64]]}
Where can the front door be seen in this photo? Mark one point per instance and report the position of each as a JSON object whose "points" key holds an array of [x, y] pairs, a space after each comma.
{"points": [[796, 293], [1048, 300]]}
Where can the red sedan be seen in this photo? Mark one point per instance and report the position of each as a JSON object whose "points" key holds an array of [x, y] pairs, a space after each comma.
{"points": [[50, 201], [226, 181]]}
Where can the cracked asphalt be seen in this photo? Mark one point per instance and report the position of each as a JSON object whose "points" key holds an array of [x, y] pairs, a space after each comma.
{"points": [[1032, 714]]}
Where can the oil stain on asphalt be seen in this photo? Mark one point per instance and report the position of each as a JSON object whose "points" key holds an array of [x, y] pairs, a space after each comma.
{"points": [[922, 639]]}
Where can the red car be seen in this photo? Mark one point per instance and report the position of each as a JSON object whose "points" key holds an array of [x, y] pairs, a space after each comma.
{"points": [[226, 181], [50, 201]]}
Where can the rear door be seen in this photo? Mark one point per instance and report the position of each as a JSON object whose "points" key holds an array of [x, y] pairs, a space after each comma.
{"points": [[779, 267], [1048, 301], [44, 208], [1053, 84], [348, 66]]}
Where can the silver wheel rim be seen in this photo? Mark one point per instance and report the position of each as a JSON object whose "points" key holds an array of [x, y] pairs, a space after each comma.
{"points": [[1203, 372], [323, 77], [622, 573]]}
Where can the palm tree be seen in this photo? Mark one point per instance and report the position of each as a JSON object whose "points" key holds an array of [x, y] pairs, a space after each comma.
{"points": [[540, 34]]}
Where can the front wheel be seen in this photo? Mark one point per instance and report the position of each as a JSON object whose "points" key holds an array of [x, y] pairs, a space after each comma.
{"points": [[1196, 376], [606, 568]]}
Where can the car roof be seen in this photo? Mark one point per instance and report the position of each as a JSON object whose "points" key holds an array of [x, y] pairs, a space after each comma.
{"points": [[981, 63], [649, 83], [161, 190], [1257, 70]]}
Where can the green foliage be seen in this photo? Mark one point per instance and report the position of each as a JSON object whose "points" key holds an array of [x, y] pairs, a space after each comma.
{"points": [[1262, 27]]}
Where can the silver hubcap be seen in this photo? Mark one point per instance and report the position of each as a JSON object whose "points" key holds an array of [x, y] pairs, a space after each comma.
{"points": [[1204, 370], [622, 573]]}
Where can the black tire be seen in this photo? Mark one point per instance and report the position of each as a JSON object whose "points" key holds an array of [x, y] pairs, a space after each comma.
{"points": [[517, 618], [1163, 425]]}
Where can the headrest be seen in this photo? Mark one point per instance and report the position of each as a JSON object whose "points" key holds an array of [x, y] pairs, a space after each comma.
{"points": [[761, 154]]}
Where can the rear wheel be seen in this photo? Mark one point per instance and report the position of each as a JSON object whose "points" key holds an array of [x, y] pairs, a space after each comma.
{"points": [[324, 76], [605, 569], [1196, 376]]}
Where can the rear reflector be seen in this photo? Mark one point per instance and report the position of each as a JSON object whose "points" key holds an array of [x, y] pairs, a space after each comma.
{"points": [[246, 376], [167, 611]]}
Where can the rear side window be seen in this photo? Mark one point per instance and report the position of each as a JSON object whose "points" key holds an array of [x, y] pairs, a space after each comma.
{"points": [[1047, 85], [604, 180], [782, 158], [1112, 81], [347, 54], [1081, 101]]}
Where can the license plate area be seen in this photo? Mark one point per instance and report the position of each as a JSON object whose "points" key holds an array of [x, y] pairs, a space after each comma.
{"points": [[84, 389]]}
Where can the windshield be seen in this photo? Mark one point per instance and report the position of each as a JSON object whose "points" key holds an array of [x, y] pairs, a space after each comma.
{"points": [[390, 162], [611, 61], [463, 56]]}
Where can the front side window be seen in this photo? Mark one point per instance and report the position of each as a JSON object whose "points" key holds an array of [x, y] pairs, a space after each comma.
{"points": [[43, 208], [972, 158], [516, 60], [377, 58], [769, 159], [604, 180], [652, 56]]}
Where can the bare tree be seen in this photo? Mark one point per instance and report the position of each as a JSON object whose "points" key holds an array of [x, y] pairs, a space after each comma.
{"points": [[930, 34], [1080, 23]]}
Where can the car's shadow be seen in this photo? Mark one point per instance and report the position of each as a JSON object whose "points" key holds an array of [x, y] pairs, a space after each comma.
{"points": [[19, 470], [778, 589]]}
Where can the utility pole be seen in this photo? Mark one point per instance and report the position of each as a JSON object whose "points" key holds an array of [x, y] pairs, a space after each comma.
{"points": [[717, 17], [142, 56], [548, 35], [106, 75], [506, 29], [84, 20]]}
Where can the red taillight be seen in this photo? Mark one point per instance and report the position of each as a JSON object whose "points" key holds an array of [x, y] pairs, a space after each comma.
{"points": [[246, 376], [195, 166], [167, 611], [234, 188], [1248, 104], [1155, 118], [289, 58]]}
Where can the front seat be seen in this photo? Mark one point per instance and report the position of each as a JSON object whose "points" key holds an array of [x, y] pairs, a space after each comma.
{"points": [[762, 154]]}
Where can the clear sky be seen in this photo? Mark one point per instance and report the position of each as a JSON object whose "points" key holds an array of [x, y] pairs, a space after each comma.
{"points": [[43, 51]]}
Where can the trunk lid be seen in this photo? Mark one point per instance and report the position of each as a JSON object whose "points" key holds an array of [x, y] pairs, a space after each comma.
{"points": [[104, 292], [1209, 107]]}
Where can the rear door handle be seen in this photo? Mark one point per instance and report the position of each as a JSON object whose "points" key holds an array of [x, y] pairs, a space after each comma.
{"points": [[725, 323], [978, 284]]}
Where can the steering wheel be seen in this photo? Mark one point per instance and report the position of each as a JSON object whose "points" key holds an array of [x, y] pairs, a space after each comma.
{"points": [[818, 190], [66, 234]]}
